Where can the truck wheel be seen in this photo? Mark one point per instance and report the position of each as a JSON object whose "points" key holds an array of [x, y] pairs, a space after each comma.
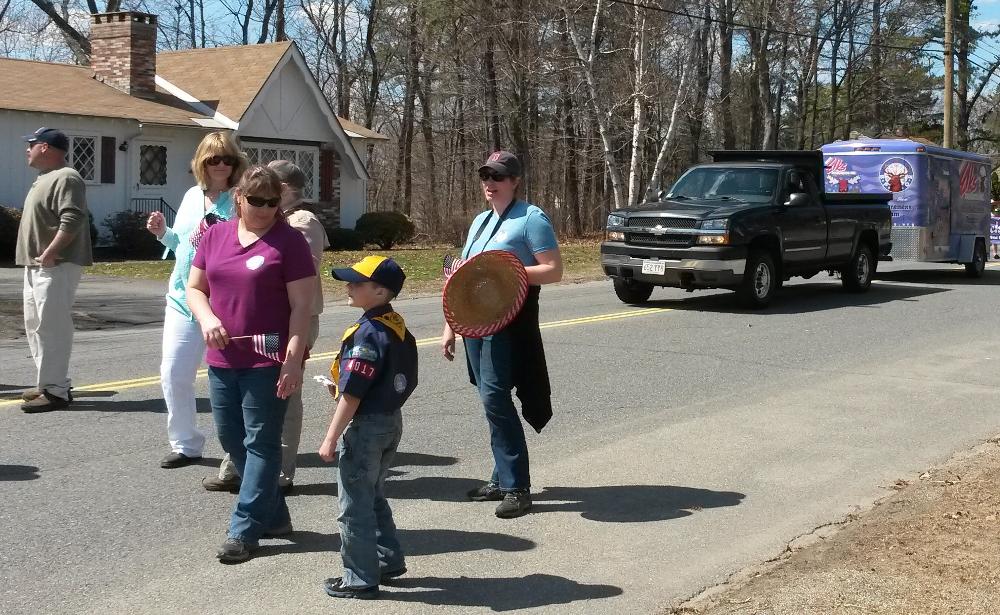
{"points": [[857, 275], [976, 268], [760, 280], [630, 291]]}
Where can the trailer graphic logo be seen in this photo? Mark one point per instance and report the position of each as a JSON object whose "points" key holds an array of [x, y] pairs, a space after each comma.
{"points": [[896, 175], [972, 179], [839, 178]]}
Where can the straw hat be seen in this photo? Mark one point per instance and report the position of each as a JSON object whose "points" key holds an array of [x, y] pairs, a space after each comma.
{"points": [[485, 294]]}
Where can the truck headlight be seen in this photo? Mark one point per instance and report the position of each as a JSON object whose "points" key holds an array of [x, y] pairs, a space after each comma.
{"points": [[713, 240], [719, 224], [616, 236], [616, 220]]}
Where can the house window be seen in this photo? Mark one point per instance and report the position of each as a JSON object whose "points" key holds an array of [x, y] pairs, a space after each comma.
{"points": [[152, 165], [303, 156], [83, 156]]}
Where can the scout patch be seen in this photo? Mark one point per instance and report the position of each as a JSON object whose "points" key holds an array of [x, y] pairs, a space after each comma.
{"points": [[363, 352]]}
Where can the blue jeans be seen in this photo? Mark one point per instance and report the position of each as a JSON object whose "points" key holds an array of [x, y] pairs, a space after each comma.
{"points": [[490, 361], [248, 417], [367, 531]]}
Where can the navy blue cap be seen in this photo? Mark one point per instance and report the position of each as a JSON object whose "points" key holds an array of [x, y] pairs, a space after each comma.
{"points": [[379, 269], [53, 137]]}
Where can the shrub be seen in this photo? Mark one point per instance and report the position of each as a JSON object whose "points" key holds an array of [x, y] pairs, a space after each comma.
{"points": [[130, 237], [385, 228], [345, 239], [10, 219], [93, 229]]}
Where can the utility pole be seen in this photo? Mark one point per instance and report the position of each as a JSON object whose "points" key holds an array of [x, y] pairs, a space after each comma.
{"points": [[948, 70]]}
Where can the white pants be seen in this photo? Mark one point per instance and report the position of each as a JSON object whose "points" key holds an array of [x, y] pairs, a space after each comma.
{"points": [[48, 323], [183, 351]]}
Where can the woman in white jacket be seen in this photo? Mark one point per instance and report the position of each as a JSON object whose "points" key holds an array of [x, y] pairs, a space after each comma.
{"points": [[217, 166]]}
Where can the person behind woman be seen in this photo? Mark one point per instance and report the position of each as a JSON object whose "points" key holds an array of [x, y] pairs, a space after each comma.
{"points": [[513, 356], [217, 166], [251, 282], [293, 181]]}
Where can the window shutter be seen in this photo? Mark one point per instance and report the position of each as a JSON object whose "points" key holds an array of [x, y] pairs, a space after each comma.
{"points": [[326, 169], [108, 151]]}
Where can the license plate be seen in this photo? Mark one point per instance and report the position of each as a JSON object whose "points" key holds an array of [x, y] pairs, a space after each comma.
{"points": [[654, 267]]}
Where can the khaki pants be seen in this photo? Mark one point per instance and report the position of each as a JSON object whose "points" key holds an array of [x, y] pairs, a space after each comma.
{"points": [[48, 323], [291, 431]]}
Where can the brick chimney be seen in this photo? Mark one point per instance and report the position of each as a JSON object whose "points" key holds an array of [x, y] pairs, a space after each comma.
{"points": [[123, 51]]}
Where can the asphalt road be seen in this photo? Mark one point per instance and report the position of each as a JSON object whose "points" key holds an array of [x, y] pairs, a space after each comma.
{"points": [[690, 439]]}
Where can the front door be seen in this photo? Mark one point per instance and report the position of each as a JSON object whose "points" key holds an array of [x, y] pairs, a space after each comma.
{"points": [[150, 160], [803, 227]]}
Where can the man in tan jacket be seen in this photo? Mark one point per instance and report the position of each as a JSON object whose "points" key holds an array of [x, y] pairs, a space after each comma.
{"points": [[53, 246]]}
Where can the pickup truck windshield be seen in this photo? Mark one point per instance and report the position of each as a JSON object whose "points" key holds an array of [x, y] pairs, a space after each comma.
{"points": [[750, 185]]}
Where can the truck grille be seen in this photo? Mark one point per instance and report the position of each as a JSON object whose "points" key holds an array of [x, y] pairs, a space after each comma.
{"points": [[647, 239], [651, 222]]}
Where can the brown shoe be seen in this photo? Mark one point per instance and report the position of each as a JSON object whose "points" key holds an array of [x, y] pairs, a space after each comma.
{"points": [[46, 402], [214, 483], [33, 394]]}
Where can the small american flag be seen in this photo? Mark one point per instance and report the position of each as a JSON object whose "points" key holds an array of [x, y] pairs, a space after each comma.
{"points": [[451, 264], [267, 345]]}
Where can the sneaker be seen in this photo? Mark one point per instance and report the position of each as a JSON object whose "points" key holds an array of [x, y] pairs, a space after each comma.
{"points": [[32, 394], [214, 483], [178, 460], [486, 493], [514, 504], [287, 488], [335, 587], [46, 402], [284, 530], [234, 551], [388, 575]]}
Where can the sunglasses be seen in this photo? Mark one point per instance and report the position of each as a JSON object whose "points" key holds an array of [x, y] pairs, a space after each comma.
{"points": [[229, 161], [492, 176], [259, 201]]}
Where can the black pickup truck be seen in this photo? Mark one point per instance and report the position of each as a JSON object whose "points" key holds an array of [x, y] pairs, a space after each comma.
{"points": [[746, 221]]}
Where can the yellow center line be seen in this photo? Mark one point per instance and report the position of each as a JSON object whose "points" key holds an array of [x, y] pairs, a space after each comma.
{"points": [[137, 383]]}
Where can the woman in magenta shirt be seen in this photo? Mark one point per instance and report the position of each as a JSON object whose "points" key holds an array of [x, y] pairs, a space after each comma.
{"points": [[251, 288]]}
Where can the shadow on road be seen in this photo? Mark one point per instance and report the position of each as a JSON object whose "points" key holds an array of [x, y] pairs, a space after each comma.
{"points": [[991, 277], [434, 488], [499, 594], [631, 503], [18, 473], [415, 542], [82, 402], [799, 299], [312, 460]]}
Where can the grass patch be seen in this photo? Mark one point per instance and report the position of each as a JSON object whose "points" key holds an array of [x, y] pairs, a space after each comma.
{"points": [[581, 261]]}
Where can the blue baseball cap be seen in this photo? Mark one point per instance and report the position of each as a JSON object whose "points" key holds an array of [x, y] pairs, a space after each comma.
{"points": [[51, 136], [379, 269]]}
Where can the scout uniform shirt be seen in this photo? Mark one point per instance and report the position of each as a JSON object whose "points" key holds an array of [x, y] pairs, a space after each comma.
{"points": [[377, 362]]}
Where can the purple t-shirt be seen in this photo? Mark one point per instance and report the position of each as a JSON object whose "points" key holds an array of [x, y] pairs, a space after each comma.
{"points": [[246, 287]]}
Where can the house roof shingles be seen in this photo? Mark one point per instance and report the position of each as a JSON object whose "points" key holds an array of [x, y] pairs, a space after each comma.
{"points": [[238, 73], [225, 79], [72, 90]]}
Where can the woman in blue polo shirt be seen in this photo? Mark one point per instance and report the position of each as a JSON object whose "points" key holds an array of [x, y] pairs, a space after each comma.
{"points": [[514, 356]]}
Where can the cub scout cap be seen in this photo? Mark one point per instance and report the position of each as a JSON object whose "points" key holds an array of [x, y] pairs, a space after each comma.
{"points": [[379, 269], [53, 137]]}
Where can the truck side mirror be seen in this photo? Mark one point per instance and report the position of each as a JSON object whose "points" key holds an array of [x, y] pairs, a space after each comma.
{"points": [[797, 199]]}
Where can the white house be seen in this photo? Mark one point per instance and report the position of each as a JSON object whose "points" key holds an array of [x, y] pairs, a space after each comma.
{"points": [[135, 117]]}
